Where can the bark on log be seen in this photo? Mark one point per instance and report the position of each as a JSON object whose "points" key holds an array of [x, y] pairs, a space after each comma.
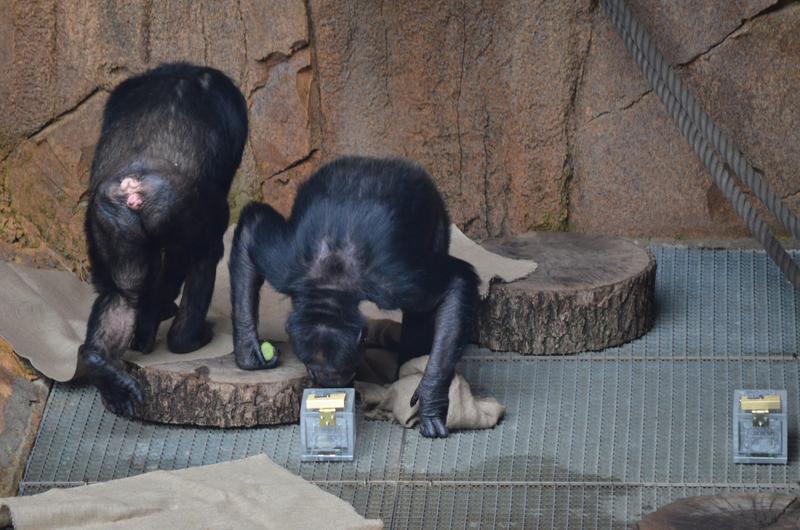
{"points": [[217, 393], [589, 293], [759, 510]]}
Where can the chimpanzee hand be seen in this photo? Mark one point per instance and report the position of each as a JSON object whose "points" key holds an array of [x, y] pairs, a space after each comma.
{"points": [[433, 403], [249, 357], [118, 389]]}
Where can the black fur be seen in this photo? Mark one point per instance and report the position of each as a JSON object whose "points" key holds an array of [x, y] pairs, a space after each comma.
{"points": [[171, 141], [360, 229]]}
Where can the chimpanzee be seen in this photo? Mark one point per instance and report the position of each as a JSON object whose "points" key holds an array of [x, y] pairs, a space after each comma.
{"points": [[170, 143], [360, 229]]}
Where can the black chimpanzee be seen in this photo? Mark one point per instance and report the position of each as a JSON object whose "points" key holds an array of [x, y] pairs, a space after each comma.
{"points": [[360, 229], [170, 144]]}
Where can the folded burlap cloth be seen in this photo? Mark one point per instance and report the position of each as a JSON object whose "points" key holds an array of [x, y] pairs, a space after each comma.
{"points": [[243, 494], [385, 398]]}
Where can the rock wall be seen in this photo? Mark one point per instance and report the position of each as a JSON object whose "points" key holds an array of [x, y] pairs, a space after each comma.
{"points": [[529, 114], [634, 173]]}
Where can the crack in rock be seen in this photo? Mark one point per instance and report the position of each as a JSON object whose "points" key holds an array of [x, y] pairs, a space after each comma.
{"points": [[638, 99], [738, 30], [296, 163], [52, 121]]}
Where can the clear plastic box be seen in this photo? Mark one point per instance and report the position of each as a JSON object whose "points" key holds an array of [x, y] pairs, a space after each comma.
{"points": [[327, 430], [760, 434]]}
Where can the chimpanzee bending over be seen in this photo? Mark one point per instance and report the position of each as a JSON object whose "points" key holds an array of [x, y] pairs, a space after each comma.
{"points": [[171, 141], [360, 229]]}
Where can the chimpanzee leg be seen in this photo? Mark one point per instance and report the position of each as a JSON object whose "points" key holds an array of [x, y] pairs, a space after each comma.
{"points": [[453, 317], [189, 330], [148, 314], [257, 254], [175, 269], [416, 336]]}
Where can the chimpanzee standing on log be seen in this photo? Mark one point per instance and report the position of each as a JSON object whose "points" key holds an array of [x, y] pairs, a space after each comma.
{"points": [[170, 144], [360, 229]]}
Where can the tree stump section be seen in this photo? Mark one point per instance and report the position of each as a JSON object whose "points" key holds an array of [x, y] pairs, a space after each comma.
{"points": [[217, 393], [588, 293], [760, 510]]}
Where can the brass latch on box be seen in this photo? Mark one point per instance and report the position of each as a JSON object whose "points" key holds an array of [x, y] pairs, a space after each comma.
{"points": [[327, 406], [760, 407]]}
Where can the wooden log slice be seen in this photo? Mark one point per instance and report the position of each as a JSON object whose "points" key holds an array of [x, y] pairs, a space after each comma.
{"points": [[588, 293], [750, 511], [217, 393]]}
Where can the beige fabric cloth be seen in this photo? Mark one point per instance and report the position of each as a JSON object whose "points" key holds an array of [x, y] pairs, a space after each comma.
{"points": [[243, 494], [43, 313], [392, 400], [385, 398]]}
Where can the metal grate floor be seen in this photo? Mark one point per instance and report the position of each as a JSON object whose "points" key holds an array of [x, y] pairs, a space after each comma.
{"points": [[595, 440]]}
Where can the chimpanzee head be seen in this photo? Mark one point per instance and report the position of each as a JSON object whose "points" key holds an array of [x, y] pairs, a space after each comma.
{"points": [[326, 335]]}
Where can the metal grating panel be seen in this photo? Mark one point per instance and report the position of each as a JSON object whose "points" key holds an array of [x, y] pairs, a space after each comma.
{"points": [[80, 442], [609, 422], [718, 304], [443, 505], [593, 440]]}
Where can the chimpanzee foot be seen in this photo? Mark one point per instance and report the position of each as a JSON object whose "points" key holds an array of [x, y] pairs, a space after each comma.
{"points": [[118, 389], [178, 341], [251, 358], [433, 404], [142, 344], [144, 335], [168, 310]]}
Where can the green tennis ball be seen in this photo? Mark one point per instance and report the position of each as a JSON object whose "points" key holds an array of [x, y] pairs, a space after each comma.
{"points": [[267, 351]]}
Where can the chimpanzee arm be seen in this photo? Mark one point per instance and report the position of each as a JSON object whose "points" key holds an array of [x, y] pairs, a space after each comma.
{"points": [[458, 296], [120, 270], [259, 252]]}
